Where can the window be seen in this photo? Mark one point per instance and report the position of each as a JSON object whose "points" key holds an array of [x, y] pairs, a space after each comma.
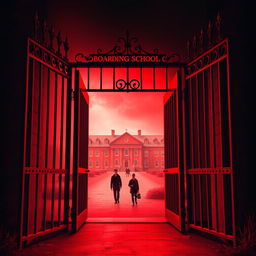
{"points": [[126, 152], [90, 152], [135, 163], [146, 141], [162, 153], [136, 152], [97, 164], [97, 153], [90, 163], [156, 153], [106, 141], [162, 163], [156, 164], [126, 140], [156, 141], [106, 153], [116, 152], [116, 162], [106, 163], [146, 163], [98, 141], [146, 153]]}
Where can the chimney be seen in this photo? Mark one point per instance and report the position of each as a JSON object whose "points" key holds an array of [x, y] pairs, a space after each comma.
{"points": [[139, 132], [113, 132]]}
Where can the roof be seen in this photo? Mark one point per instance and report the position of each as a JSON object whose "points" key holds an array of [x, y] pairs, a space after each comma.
{"points": [[106, 140]]}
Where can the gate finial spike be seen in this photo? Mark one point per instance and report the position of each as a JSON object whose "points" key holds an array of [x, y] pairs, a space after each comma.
{"points": [[201, 39], [189, 48], [209, 32], [51, 36], [218, 26], [59, 42], [66, 47], [44, 34], [36, 25]]}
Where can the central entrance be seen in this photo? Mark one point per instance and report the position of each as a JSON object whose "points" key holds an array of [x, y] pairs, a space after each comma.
{"points": [[129, 68]]}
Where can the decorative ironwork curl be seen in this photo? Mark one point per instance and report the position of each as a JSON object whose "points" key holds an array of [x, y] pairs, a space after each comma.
{"points": [[122, 85], [127, 46], [217, 53]]}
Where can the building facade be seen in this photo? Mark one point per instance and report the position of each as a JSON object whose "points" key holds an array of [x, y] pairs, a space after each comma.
{"points": [[136, 152]]}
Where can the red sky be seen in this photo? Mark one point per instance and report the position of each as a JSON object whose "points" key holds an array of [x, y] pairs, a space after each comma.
{"points": [[121, 111]]}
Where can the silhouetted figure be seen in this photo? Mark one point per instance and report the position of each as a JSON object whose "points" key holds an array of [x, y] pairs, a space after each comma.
{"points": [[127, 172], [116, 184], [134, 185]]}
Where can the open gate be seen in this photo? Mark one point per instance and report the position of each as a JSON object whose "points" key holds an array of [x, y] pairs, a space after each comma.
{"points": [[45, 173], [174, 169], [209, 143], [80, 154]]}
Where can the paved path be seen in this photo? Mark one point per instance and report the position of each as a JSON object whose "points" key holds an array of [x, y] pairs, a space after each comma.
{"points": [[125, 239], [101, 201]]}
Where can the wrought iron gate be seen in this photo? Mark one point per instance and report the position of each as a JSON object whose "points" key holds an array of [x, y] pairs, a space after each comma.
{"points": [[46, 145], [174, 169], [208, 143], [80, 154]]}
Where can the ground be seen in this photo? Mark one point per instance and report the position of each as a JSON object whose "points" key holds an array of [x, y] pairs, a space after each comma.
{"points": [[125, 239], [101, 201], [135, 230]]}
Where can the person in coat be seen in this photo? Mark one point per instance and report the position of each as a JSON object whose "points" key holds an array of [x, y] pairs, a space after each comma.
{"points": [[116, 184], [134, 188]]}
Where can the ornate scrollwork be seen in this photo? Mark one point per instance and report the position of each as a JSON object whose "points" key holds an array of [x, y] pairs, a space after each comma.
{"points": [[39, 52], [127, 46], [122, 85], [216, 53]]}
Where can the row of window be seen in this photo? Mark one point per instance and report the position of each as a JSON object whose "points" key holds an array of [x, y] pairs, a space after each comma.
{"points": [[117, 163], [126, 152]]}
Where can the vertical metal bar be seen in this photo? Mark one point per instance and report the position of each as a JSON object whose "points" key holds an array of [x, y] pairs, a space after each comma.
{"points": [[204, 121], [141, 77], [127, 78], [61, 123], [60, 198], [193, 197], [55, 121], [68, 146], [216, 202], [53, 196], [200, 199], [36, 204], [88, 78], [39, 116], [197, 121], [154, 78], [192, 164], [114, 78], [45, 201], [166, 77], [47, 118], [208, 200], [230, 149], [100, 78], [221, 196]]}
